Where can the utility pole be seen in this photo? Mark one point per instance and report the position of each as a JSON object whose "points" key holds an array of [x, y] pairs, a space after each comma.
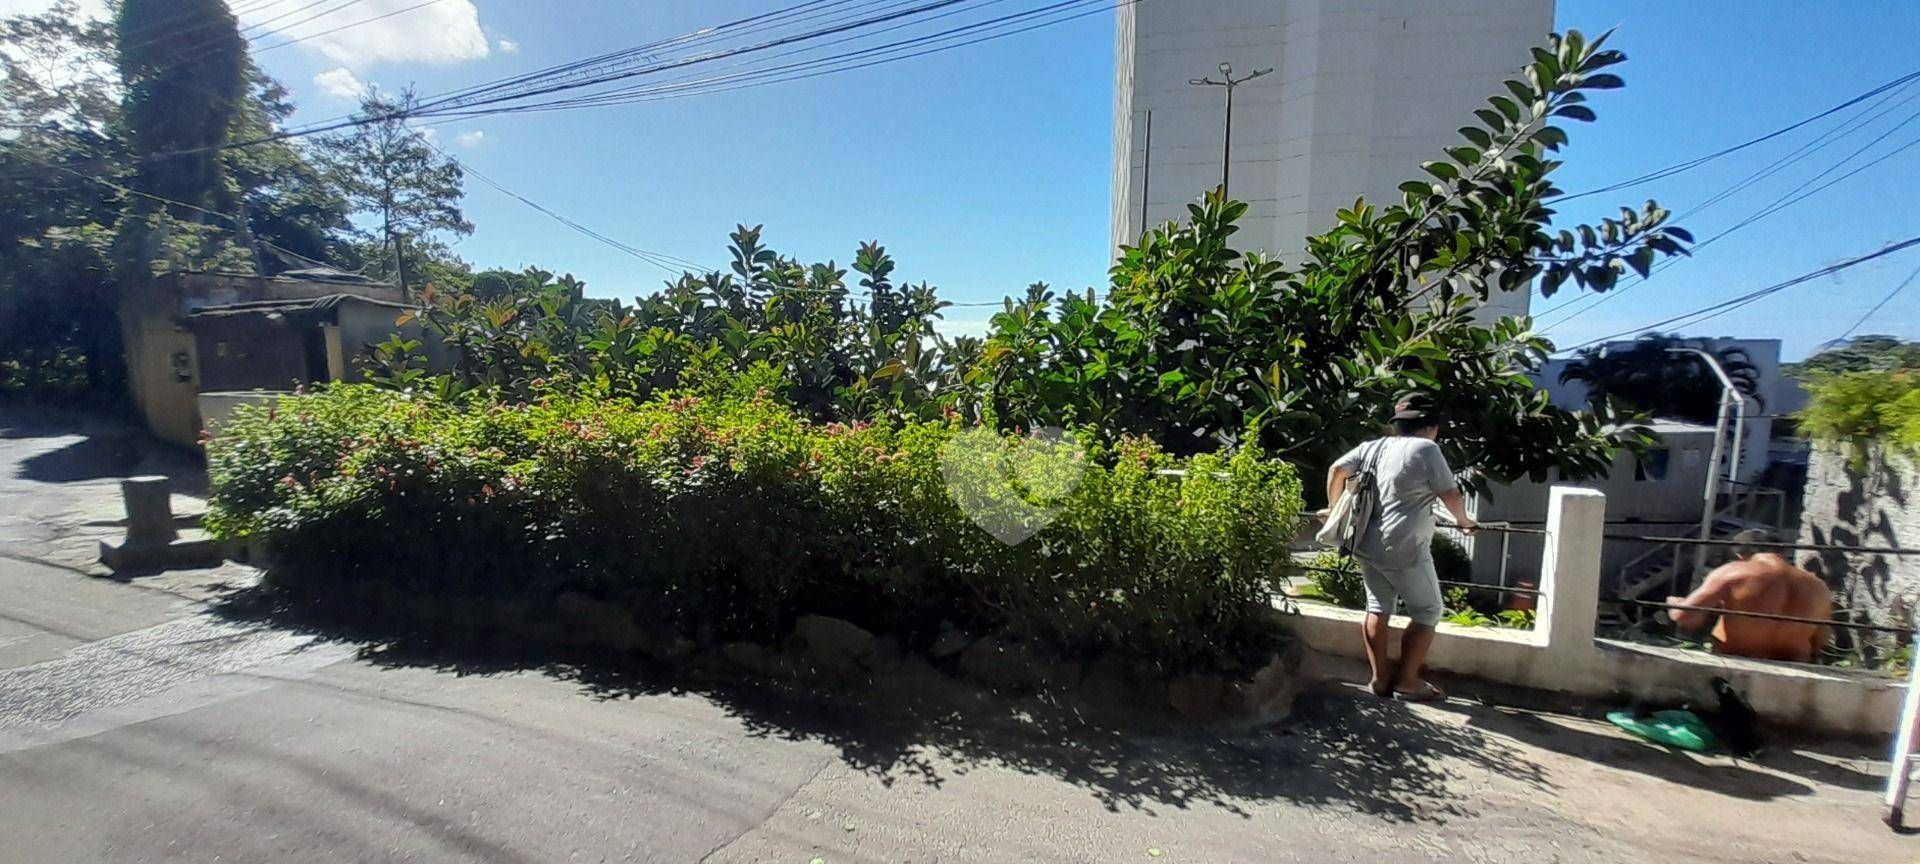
{"points": [[1226, 140]]}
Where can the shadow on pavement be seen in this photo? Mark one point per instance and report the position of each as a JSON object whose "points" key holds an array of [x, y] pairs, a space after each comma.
{"points": [[77, 446], [1371, 756], [1778, 772]]}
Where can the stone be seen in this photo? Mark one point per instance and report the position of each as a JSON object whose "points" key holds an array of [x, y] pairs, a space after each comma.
{"points": [[1268, 697], [749, 656], [885, 657], [153, 542], [149, 503], [1202, 698], [950, 642], [833, 639], [1017, 667]]}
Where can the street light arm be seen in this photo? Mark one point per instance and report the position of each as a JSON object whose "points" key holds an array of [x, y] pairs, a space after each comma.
{"points": [[1206, 82]]}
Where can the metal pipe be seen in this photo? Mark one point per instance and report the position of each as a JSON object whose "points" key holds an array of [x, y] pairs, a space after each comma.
{"points": [[1730, 395], [1146, 173]]}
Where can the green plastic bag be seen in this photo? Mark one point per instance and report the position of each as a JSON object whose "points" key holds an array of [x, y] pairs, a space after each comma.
{"points": [[1682, 729]]}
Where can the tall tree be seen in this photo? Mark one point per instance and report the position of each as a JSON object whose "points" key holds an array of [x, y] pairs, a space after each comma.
{"points": [[389, 170], [284, 197], [59, 102], [184, 83], [1649, 376]]}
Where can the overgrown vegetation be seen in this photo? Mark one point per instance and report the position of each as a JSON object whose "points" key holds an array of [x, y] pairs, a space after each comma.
{"points": [[1858, 408], [721, 513], [1194, 344], [112, 166]]}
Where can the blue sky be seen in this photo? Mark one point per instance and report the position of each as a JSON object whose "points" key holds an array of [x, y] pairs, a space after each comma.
{"points": [[987, 167]]}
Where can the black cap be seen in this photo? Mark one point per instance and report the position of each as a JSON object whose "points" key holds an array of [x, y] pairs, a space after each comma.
{"points": [[1416, 406]]}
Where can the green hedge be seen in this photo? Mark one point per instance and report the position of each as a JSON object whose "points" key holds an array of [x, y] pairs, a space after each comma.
{"points": [[724, 515]]}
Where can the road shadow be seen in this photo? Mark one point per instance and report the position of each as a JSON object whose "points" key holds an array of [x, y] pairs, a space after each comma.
{"points": [[1365, 755]]}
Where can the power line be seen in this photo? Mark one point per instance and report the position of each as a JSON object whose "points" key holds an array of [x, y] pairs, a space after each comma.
{"points": [[1707, 313], [1817, 144], [476, 107], [1791, 197], [1690, 164], [1883, 302], [660, 260]]}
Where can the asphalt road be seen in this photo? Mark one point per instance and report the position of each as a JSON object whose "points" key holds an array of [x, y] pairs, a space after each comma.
{"points": [[139, 724]]}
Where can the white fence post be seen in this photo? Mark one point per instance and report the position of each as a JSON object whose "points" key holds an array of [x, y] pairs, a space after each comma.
{"points": [[1570, 570]]}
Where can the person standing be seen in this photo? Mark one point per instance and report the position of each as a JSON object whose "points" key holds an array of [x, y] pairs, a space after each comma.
{"points": [[1395, 551]]}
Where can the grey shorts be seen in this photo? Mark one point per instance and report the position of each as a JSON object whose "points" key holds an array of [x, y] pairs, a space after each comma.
{"points": [[1418, 586]]}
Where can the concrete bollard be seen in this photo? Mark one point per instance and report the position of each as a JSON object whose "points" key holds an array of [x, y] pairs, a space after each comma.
{"points": [[149, 511], [152, 542]]}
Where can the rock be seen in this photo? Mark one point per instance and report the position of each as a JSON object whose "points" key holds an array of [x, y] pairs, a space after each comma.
{"points": [[671, 647], [1203, 698], [749, 657], [1268, 697], [949, 643], [1108, 683], [1017, 667], [885, 656], [832, 639]]}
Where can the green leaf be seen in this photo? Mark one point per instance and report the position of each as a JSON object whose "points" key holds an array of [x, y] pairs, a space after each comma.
{"points": [[1576, 112], [1508, 106], [1477, 135]]}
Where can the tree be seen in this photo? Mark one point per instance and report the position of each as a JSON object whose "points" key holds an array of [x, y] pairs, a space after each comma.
{"points": [[1197, 345], [60, 103], [182, 85], [283, 197], [389, 170], [1648, 376], [1870, 353]]}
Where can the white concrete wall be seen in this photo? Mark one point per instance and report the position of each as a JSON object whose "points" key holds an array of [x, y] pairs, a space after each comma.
{"points": [[1363, 91]]}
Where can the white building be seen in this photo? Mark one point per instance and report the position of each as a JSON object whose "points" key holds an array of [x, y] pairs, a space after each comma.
{"points": [[1362, 92], [1777, 395]]}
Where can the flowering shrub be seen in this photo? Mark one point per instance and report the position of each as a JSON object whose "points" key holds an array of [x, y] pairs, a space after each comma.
{"points": [[723, 514]]}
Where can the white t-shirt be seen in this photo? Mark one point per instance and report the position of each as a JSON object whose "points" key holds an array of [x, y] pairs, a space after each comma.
{"points": [[1411, 474]]}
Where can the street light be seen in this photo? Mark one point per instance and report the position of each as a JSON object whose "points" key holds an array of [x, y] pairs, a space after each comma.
{"points": [[1228, 82]]}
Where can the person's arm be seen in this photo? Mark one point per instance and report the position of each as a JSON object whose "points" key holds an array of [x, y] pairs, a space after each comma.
{"points": [[1336, 483], [1456, 502], [1444, 484]]}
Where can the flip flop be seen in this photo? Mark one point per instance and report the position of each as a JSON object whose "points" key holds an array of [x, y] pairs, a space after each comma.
{"points": [[1426, 693], [1381, 692]]}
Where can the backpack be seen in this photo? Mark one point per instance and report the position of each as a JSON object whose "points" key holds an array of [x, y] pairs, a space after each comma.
{"points": [[1348, 518]]}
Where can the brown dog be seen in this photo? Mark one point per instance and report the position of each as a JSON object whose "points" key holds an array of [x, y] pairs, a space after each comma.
{"points": [[1769, 584]]}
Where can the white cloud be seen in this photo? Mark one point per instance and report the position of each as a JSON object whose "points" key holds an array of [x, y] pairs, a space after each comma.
{"points": [[470, 139], [443, 32], [340, 83], [431, 134], [507, 46]]}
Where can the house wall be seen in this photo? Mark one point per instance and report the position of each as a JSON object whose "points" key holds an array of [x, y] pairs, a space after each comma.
{"points": [[1866, 499], [1363, 91], [1637, 503], [163, 363], [251, 352], [1778, 395], [360, 325]]}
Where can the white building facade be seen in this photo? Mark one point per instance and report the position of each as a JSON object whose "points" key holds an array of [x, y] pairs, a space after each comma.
{"points": [[1362, 92]]}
